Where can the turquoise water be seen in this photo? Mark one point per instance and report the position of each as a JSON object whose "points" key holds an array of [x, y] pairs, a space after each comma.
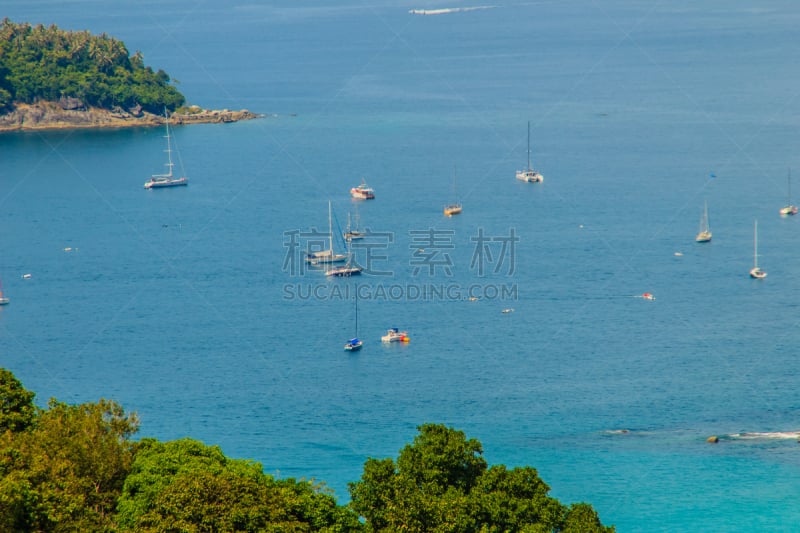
{"points": [[174, 302]]}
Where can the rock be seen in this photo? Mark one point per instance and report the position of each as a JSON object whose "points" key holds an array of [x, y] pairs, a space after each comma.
{"points": [[136, 110], [68, 103], [713, 439]]}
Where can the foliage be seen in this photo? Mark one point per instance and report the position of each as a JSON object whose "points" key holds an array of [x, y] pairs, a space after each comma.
{"points": [[72, 468], [16, 403], [441, 483], [66, 471], [38, 63], [186, 486]]}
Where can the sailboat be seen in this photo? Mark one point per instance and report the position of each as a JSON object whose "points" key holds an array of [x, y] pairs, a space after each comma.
{"points": [[158, 181], [352, 232], [454, 208], [789, 209], [326, 256], [756, 271], [529, 174], [3, 299], [355, 343], [704, 234]]}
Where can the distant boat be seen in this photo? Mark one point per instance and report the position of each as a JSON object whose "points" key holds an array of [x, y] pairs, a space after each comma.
{"points": [[158, 181], [395, 335], [789, 209], [363, 192], [704, 235], [756, 271], [455, 207], [355, 343], [326, 256], [529, 174], [352, 232], [3, 299]]}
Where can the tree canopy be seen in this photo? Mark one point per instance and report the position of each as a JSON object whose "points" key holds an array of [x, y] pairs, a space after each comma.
{"points": [[47, 63], [441, 483], [68, 468]]}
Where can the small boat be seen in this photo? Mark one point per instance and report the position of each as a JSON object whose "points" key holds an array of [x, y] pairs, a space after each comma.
{"points": [[158, 181], [363, 192], [789, 209], [529, 175], [326, 256], [344, 271], [3, 299], [704, 235], [507, 311], [352, 233], [395, 335], [756, 271], [455, 207], [355, 343], [648, 296]]}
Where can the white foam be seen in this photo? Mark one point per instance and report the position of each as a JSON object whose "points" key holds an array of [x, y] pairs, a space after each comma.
{"points": [[446, 10], [777, 435]]}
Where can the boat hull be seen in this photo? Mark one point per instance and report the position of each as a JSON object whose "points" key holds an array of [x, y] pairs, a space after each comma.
{"points": [[344, 272], [789, 210], [757, 273], [156, 184], [703, 236], [353, 346], [452, 210], [4, 301], [529, 176]]}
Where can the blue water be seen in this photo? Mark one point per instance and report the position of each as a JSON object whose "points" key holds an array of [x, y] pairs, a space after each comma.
{"points": [[175, 302]]}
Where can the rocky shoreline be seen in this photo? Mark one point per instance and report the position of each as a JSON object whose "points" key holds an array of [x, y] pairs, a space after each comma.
{"points": [[65, 115]]}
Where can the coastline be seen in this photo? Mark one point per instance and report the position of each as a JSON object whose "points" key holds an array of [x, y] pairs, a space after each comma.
{"points": [[44, 116]]}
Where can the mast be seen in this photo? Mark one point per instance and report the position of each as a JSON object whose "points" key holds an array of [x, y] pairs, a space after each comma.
{"points": [[529, 146], [755, 243], [169, 145], [356, 310], [789, 179], [330, 230]]}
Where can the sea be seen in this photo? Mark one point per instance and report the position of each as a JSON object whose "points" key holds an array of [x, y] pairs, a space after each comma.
{"points": [[194, 308]]}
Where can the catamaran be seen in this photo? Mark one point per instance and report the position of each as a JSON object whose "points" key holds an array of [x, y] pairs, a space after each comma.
{"points": [[529, 174]]}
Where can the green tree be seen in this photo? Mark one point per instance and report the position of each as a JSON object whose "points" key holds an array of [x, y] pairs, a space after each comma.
{"points": [[17, 411], [186, 486], [441, 483], [66, 472], [47, 63]]}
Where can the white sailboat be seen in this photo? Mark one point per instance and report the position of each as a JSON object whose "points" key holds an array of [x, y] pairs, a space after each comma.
{"points": [[3, 299], [158, 181], [455, 207], [326, 256], [789, 209], [704, 235], [355, 343], [352, 232], [756, 271], [529, 174]]}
